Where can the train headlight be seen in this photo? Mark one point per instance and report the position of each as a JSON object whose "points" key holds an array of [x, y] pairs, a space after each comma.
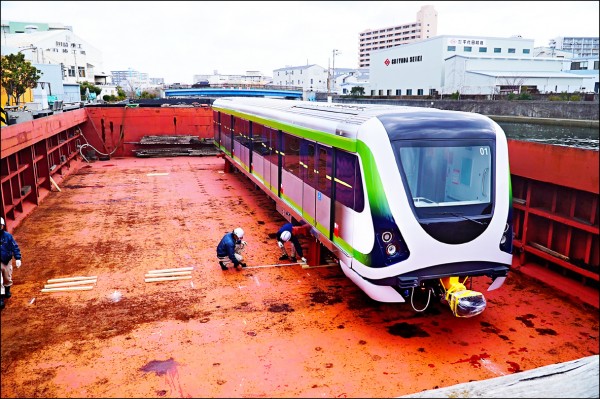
{"points": [[391, 250], [507, 235], [386, 236]]}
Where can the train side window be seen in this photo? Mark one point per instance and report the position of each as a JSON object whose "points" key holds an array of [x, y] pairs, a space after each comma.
{"points": [[260, 140], [242, 131], [291, 152], [324, 171], [226, 124], [348, 181]]}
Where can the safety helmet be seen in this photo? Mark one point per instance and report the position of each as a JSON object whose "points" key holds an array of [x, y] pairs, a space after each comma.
{"points": [[285, 236], [239, 232]]}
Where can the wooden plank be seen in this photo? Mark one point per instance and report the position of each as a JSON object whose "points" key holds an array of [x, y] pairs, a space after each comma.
{"points": [[54, 183], [59, 280], [167, 274], [574, 379], [177, 269], [89, 287], [151, 280], [70, 283]]}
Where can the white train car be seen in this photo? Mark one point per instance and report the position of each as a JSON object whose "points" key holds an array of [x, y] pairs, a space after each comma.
{"points": [[410, 200]]}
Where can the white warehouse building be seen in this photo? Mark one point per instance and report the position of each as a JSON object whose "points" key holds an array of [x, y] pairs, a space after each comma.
{"points": [[469, 65]]}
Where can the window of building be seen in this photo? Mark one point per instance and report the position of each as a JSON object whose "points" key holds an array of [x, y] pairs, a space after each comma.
{"points": [[398, 92], [419, 92], [497, 50], [451, 48], [526, 51], [511, 51], [409, 92], [72, 71], [389, 92], [381, 92], [467, 49], [81, 71], [483, 49]]}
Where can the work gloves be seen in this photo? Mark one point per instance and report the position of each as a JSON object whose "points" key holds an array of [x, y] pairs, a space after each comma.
{"points": [[18, 263], [280, 244], [303, 259]]}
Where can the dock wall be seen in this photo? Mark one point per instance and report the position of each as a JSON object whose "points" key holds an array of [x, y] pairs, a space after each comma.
{"points": [[567, 110]]}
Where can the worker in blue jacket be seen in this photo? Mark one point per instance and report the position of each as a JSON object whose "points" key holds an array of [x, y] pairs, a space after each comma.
{"points": [[8, 250], [230, 249], [289, 233]]}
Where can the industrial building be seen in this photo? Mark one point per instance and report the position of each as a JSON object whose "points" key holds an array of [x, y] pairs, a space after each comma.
{"points": [[480, 65]]}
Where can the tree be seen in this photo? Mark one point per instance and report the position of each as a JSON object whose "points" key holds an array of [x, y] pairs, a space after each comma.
{"points": [[357, 91], [121, 95], [91, 87], [17, 76]]}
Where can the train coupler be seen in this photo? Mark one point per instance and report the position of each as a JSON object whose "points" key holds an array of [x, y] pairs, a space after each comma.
{"points": [[462, 301]]}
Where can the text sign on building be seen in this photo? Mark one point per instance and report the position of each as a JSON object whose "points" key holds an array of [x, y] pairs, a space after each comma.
{"points": [[467, 42], [403, 60]]}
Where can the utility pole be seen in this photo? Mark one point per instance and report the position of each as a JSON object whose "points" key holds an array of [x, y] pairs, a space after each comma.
{"points": [[328, 82], [335, 52]]}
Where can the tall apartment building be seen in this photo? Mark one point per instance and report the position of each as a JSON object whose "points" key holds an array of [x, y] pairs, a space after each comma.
{"points": [[369, 40], [577, 46], [130, 77]]}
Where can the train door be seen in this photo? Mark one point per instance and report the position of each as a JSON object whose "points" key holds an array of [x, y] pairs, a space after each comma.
{"points": [[226, 123], [257, 154], [271, 159], [324, 173], [349, 198], [216, 126], [308, 174], [241, 142], [291, 172]]}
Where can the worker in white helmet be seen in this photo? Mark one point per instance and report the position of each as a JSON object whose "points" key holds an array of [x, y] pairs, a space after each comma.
{"points": [[230, 249], [289, 233], [8, 250]]}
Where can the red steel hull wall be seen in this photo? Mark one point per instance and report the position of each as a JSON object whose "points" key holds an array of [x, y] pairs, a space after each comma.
{"points": [[105, 125], [555, 200], [36, 155]]}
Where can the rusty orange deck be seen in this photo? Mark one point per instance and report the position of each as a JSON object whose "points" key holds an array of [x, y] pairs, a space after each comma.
{"points": [[262, 332]]}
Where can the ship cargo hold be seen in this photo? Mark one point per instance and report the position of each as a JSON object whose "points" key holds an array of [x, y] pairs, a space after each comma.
{"points": [[116, 195]]}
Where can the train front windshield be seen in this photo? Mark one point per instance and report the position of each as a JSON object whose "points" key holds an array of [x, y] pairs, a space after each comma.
{"points": [[447, 174]]}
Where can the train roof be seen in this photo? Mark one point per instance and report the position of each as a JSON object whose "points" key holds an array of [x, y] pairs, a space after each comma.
{"points": [[345, 119]]}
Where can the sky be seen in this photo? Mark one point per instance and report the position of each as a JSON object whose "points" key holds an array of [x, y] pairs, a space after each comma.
{"points": [[176, 40]]}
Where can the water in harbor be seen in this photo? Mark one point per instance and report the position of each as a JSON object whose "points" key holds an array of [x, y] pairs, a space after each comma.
{"points": [[570, 136]]}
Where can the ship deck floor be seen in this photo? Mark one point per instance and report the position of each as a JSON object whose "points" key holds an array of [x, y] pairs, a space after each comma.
{"points": [[282, 331]]}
